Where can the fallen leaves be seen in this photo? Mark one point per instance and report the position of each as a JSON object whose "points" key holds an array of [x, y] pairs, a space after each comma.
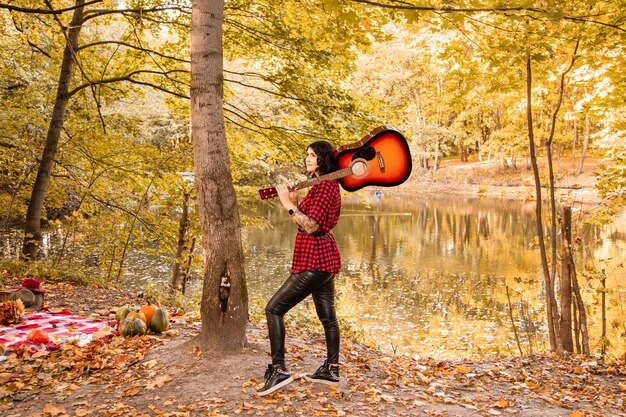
{"points": [[82, 412], [52, 410], [402, 387], [110, 378], [59, 369], [131, 392], [502, 403], [159, 381], [462, 370]]}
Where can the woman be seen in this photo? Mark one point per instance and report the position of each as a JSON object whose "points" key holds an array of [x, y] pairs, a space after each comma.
{"points": [[316, 260]]}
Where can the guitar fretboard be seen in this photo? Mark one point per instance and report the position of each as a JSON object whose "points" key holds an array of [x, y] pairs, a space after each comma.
{"points": [[332, 176]]}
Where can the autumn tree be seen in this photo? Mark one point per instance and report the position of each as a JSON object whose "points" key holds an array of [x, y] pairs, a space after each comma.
{"points": [[224, 305], [75, 55], [298, 75], [224, 298], [32, 225], [511, 40]]}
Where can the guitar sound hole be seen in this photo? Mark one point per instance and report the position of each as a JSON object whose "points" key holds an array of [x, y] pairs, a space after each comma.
{"points": [[359, 169]]}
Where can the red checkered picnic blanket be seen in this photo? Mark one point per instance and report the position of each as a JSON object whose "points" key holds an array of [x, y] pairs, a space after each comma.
{"points": [[61, 327]]}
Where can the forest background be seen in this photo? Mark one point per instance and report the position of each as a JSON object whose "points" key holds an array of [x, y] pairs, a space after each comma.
{"points": [[98, 92]]}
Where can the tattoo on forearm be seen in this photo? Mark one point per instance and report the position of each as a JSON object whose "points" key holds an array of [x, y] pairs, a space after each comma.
{"points": [[307, 223]]}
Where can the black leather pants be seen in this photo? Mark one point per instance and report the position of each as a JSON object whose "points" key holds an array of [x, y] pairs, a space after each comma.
{"points": [[321, 285]]}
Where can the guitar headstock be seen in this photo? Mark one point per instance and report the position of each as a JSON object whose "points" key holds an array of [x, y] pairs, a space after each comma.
{"points": [[267, 193]]}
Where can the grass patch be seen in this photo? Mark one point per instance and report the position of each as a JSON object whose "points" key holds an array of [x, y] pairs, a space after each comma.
{"points": [[162, 294], [497, 176], [46, 270]]}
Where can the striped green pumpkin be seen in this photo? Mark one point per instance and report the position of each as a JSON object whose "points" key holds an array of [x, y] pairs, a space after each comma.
{"points": [[132, 326], [159, 321]]}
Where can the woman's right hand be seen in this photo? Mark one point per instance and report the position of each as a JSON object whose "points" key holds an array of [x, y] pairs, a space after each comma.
{"points": [[293, 193], [286, 196]]}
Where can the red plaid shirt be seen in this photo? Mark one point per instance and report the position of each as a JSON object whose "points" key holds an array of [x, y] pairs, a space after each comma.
{"points": [[323, 204]]}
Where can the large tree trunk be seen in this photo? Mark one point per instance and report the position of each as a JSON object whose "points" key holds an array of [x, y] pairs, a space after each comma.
{"points": [[224, 305], [32, 227]]}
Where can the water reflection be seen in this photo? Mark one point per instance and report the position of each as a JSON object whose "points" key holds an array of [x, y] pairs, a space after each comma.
{"points": [[424, 275], [429, 275]]}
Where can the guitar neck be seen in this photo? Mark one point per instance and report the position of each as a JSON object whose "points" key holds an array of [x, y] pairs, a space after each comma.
{"points": [[335, 175], [341, 173]]}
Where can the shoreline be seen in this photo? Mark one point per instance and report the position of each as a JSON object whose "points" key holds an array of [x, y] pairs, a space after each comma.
{"points": [[489, 179]]}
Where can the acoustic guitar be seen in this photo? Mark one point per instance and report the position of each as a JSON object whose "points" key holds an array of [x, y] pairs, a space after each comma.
{"points": [[381, 158]]}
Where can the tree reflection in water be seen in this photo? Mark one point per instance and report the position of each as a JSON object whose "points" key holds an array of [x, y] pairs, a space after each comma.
{"points": [[428, 276], [423, 275]]}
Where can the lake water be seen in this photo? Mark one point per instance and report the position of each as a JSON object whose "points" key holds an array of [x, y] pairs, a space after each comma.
{"points": [[429, 276], [447, 277]]}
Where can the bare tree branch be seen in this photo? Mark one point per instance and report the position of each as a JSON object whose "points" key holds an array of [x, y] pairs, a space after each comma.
{"points": [[7, 145], [38, 48], [129, 78], [135, 13], [255, 125], [130, 45], [44, 11], [265, 90], [403, 5]]}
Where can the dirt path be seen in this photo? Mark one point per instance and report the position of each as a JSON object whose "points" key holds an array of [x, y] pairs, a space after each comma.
{"points": [[163, 376]]}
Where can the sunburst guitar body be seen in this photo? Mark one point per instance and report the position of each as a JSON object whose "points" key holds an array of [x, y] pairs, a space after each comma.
{"points": [[383, 156]]}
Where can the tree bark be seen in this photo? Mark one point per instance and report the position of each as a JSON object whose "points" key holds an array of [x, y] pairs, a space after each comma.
{"points": [[224, 305], [32, 226], [550, 292], [180, 246], [565, 322], [463, 152], [185, 277], [581, 312]]}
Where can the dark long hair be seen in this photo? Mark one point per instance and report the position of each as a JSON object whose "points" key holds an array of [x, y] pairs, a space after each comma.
{"points": [[325, 156]]}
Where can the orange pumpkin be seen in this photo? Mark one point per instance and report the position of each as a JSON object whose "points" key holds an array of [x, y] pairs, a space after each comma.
{"points": [[137, 314], [148, 310], [38, 336]]}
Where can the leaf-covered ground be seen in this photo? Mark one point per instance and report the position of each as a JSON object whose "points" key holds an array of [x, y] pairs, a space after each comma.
{"points": [[164, 376]]}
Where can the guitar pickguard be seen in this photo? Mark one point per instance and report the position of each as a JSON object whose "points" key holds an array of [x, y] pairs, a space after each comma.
{"points": [[367, 152]]}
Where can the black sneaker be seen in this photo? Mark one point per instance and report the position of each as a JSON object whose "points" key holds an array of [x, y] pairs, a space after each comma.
{"points": [[276, 377], [325, 374]]}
